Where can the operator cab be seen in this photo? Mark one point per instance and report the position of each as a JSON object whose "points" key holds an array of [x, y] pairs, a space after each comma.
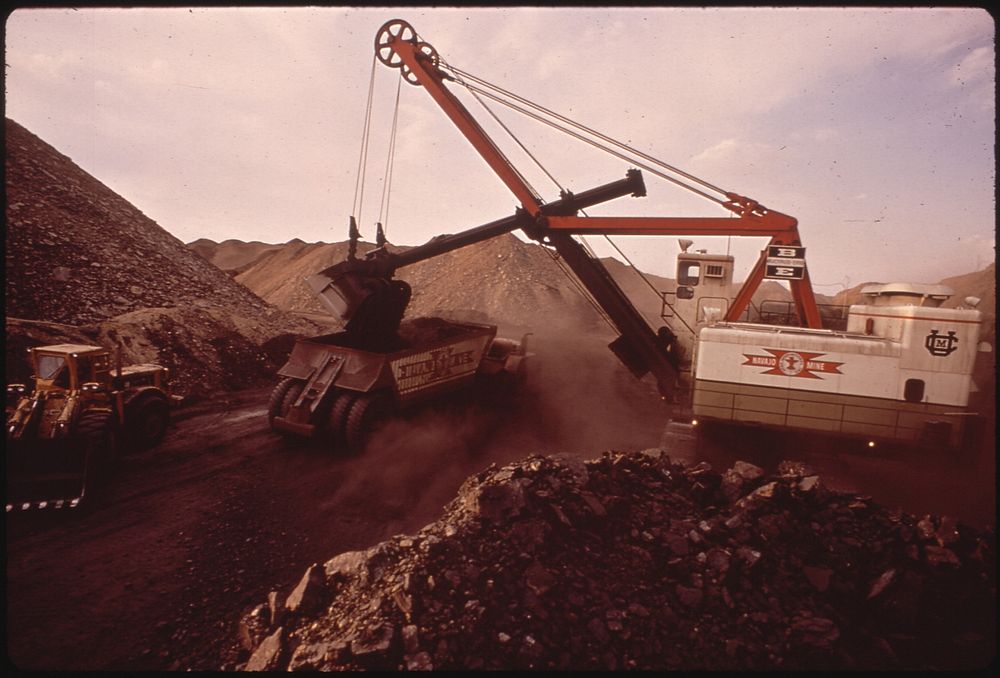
{"points": [[704, 286], [66, 366], [54, 368]]}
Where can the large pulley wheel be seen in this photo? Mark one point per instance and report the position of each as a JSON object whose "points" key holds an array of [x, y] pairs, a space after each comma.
{"points": [[424, 52], [396, 31], [391, 31], [366, 413]]}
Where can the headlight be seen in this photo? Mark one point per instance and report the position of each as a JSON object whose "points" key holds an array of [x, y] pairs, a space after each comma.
{"points": [[91, 386], [16, 389]]}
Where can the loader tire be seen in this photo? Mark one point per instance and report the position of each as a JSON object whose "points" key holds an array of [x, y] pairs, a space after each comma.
{"points": [[98, 429], [148, 422], [275, 405], [338, 419], [364, 417], [98, 436]]}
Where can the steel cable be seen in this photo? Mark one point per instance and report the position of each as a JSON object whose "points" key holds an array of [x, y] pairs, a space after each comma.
{"points": [[506, 129], [592, 132], [383, 214], [476, 91], [359, 180]]}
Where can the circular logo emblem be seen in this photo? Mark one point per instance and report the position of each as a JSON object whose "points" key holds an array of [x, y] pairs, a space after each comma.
{"points": [[791, 364]]}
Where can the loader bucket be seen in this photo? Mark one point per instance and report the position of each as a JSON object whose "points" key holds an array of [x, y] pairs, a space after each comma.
{"points": [[46, 474]]}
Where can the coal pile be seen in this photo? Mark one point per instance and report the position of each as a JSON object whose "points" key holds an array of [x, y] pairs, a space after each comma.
{"points": [[634, 561]]}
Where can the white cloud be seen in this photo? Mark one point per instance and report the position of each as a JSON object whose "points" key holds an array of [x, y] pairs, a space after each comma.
{"points": [[48, 66], [975, 67], [976, 75]]}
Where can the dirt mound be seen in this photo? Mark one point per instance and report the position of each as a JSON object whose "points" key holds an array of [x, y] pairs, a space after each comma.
{"points": [[503, 280], [279, 275], [510, 281], [632, 561], [79, 253], [232, 256], [83, 263]]}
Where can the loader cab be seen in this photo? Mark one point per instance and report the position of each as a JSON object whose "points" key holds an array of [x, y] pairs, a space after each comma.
{"points": [[53, 369], [67, 366], [704, 289]]}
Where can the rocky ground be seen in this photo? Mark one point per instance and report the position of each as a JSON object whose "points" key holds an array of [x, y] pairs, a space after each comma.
{"points": [[632, 561]]}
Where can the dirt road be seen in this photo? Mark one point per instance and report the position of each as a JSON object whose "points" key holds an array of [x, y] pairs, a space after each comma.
{"points": [[193, 532]]}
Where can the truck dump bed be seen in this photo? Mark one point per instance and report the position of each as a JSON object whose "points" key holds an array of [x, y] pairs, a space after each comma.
{"points": [[426, 356]]}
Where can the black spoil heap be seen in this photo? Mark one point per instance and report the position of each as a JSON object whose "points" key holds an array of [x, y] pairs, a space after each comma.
{"points": [[632, 561]]}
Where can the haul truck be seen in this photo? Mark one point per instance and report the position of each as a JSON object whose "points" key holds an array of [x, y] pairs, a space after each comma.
{"points": [[708, 362], [341, 386]]}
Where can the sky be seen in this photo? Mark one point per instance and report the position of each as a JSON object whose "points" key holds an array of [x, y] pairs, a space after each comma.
{"points": [[873, 127]]}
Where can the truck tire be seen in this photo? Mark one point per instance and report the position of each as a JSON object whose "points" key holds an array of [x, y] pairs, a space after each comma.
{"points": [[365, 414], [338, 419], [147, 422], [282, 398], [275, 405], [291, 396]]}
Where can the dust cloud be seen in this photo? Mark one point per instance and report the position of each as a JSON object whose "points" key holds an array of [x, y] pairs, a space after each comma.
{"points": [[582, 400], [577, 400]]}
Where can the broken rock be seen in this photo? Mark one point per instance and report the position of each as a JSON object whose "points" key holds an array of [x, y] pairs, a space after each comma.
{"points": [[672, 576], [268, 655], [308, 595]]}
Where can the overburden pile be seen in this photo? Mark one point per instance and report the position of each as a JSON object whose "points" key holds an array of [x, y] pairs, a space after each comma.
{"points": [[83, 265], [79, 253], [634, 561]]}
